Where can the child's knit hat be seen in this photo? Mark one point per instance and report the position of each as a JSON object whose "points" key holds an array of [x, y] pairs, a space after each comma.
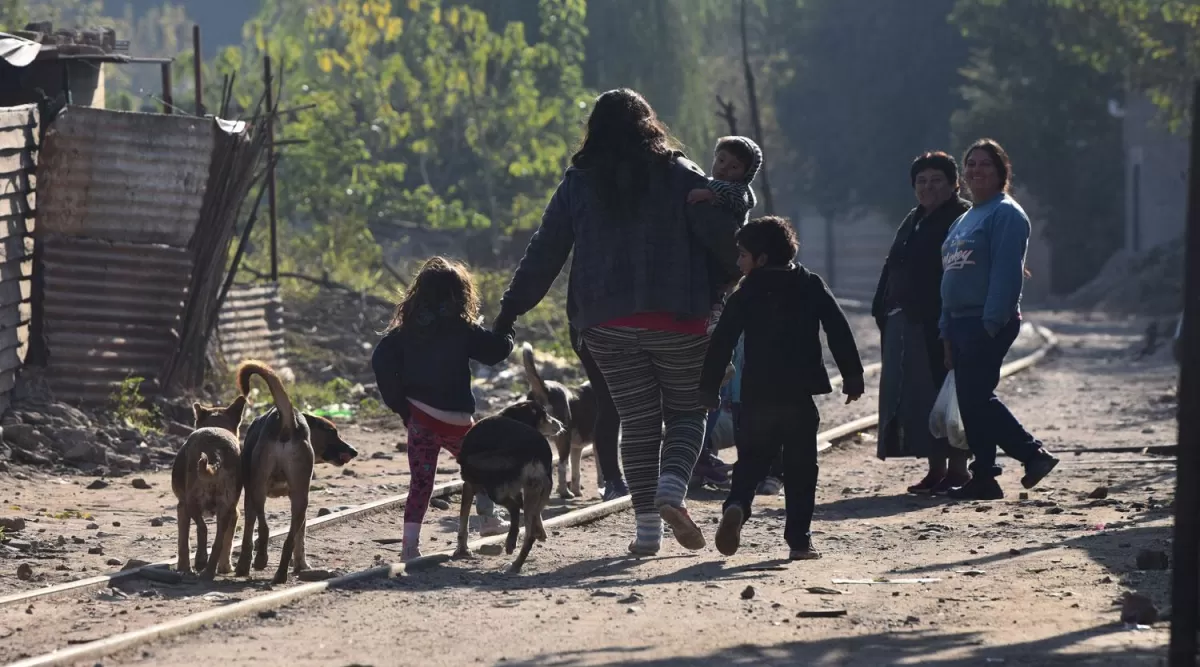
{"points": [[756, 158]]}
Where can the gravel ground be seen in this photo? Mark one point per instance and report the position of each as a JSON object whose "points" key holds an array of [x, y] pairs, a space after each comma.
{"points": [[1023, 581]]}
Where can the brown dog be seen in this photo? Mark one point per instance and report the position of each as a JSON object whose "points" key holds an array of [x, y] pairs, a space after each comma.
{"points": [[207, 480], [507, 456], [576, 410], [281, 449]]}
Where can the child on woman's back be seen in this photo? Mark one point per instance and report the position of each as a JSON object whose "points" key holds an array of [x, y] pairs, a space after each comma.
{"points": [[736, 161], [422, 367]]}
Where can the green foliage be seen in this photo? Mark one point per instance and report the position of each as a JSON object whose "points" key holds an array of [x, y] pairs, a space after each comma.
{"points": [[422, 113], [659, 48], [1026, 87], [1154, 44], [872, 86], [14, 15], [546, 323], [129, 407]]}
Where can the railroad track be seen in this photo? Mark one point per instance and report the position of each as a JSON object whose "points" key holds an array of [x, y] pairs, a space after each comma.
{"points": [[272, 599]]}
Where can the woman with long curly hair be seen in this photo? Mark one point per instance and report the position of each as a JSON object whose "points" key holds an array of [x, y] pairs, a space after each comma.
{"points": [[640, 290]]}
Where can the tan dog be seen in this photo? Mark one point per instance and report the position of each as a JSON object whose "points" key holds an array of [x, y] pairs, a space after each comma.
{"points": [[207, 480], [281, 449]]}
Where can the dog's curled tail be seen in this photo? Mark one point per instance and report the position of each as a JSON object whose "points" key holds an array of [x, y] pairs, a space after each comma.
{"points": [[205, 468], [283, 402], [531, 373]]}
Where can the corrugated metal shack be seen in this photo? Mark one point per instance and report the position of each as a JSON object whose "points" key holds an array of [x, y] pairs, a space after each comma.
{"points": [[124, 198], [251, 325], [121, 198], [117, 230]]}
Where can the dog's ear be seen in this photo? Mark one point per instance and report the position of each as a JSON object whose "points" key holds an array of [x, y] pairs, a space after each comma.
{"points": [[236, 408]]}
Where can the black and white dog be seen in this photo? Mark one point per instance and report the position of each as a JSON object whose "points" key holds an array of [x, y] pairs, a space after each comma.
{"points": [[577, 412], [507, 456]]}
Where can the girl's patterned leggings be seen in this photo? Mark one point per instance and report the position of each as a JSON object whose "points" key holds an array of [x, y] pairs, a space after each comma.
{"points": [[425, 443]]}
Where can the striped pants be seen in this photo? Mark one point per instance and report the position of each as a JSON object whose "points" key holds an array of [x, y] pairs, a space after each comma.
{"points": [[653, 377]]}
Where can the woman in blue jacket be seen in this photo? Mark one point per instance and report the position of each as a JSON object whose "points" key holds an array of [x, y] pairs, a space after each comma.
{"points": [[983, 264]]}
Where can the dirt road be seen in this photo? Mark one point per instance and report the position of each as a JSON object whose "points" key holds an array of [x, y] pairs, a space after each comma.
{"points": [[1029, 582], [1020, 581]]}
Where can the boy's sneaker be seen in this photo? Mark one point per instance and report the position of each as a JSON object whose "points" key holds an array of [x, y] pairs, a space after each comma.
{"points": [[707, 473], [729, 532], [493, 525], [807, 552], [1037, 468], [408, 553], [770, 486], [717, 464], [979, 488], [614, 490]]}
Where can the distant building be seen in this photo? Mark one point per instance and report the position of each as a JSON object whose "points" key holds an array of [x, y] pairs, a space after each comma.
{"points": [[1156, 166]]}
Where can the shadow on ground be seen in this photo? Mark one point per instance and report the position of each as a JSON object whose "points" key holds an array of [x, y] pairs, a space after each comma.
{"points": [[924, 648]]}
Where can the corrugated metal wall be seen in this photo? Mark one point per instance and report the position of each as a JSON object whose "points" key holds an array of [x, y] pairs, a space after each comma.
{"points": [[120, 197], [111, 311], [251, 325], [18, 147], [121, 176]]}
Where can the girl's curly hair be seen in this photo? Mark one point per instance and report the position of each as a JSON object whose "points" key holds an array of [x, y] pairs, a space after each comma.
{"points": [[442, 288]]}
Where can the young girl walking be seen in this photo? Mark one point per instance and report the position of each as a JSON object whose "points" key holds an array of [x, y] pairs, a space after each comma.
{"points": [[422, 367]]}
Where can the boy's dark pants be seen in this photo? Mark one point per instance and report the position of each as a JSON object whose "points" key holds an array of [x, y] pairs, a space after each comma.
{"points": [[977, 360], [763, 430]]}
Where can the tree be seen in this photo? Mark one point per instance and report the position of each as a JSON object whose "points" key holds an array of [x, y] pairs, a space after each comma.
{"points": [[1026, 87], [659, 48], [421, 116], [872, 86], [1153, 44]]}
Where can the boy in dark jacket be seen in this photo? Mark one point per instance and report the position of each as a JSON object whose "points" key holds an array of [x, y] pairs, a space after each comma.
{"points": [[780, 308]]}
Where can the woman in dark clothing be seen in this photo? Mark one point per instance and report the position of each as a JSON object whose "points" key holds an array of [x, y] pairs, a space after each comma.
{"points": [[906, 307], [644, 267], [604, 437]]}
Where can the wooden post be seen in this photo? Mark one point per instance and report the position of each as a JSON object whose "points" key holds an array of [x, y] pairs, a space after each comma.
{"points": [[271, 210], [1185, 584], [168, 100], [198, 67]]}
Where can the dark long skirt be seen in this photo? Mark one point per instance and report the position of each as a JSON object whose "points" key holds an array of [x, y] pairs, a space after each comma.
{"points": [[907, 391]]}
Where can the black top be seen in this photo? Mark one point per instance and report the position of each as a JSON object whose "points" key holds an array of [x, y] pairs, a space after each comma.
{"points": [[664, 256], [781, 311], [912, 275], [429, 360]]}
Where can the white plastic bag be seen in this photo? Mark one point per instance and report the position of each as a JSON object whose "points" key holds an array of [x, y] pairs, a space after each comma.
{"points": [[945, 420]]}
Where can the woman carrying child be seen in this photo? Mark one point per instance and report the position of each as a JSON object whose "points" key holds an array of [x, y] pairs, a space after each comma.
{"points": [[422, 367], [640, 290]]}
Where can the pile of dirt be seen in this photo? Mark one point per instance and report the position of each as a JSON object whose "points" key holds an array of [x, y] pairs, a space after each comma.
{"points": [[40, 431], [1145, 283]]}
